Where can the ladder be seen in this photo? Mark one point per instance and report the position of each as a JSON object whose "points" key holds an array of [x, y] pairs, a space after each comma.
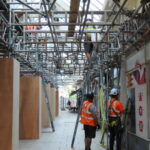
{"points": [[48, 106]]}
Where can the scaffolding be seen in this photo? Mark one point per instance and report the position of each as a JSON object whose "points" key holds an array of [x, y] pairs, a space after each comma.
{"points": [[33, 36]]}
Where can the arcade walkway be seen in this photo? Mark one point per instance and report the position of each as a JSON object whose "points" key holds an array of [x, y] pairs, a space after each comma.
{"points": [[61, 138]]}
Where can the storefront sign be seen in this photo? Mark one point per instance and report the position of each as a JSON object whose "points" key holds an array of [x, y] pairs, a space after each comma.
{"points": [[137, 80], [141, 110]]}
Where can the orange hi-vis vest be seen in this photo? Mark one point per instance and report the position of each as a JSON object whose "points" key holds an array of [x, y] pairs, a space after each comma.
{"points": [[86, 116], [115, 108]]}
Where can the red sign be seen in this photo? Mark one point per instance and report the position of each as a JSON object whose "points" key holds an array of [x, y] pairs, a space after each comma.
{"points": [[140, 111], [141, 126], [140, 96]]}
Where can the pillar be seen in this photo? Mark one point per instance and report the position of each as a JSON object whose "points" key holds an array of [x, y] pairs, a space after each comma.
{"points": [[45, 115], [9, 104], [54, 102], [30, 107], [57, 102], [52, 105]]}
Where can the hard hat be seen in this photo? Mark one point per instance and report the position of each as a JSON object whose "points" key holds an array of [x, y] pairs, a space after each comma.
{"points": [[114, 91]]}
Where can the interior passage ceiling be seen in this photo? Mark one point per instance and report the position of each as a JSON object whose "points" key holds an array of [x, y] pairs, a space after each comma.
{"points": [[69, 57]]}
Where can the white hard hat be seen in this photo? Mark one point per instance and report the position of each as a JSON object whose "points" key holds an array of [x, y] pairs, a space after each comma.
{"points": [[114, 91]]}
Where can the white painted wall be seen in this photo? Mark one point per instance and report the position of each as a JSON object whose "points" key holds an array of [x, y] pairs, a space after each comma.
{"points": [[123, 95], [15, 115], [138, 56], [142, 57], [147, 49]]}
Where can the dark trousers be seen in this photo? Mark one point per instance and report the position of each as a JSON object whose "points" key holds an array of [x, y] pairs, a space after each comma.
{"points": [[115, 134]]}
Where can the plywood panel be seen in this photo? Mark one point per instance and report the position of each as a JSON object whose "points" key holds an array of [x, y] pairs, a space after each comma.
{"points": [[9, 105], [74, 7], [40, 105], [57, 102], [50, 95], [51, 101], [45, 116], [30, 89], [132, 4], [54, 101]]}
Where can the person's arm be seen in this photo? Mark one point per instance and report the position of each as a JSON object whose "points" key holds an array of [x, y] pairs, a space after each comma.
{"points": [[121, 108]]}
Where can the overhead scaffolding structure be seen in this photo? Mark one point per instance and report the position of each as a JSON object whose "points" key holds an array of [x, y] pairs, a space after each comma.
{"points": [[53, 51], [36, 34]]}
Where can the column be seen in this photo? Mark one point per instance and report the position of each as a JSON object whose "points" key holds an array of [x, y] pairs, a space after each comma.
{"points": [[9, 104]]}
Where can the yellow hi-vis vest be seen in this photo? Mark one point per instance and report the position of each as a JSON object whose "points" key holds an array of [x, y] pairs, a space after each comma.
{"points": [[88, 35]]}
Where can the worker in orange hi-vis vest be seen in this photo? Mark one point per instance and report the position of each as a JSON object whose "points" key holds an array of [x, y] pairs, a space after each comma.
{"points": [[89, 120], [115, 109]]}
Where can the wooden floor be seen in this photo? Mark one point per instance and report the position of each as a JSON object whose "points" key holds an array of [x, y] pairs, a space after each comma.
{"points": [[61, 138]]}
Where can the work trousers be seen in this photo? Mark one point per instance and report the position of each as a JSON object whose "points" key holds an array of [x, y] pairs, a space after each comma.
{"points": [[115, 134], [88, 47]]}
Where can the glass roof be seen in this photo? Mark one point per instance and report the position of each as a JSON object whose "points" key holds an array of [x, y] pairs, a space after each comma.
{"points": [[95, 5], [71, 58]]}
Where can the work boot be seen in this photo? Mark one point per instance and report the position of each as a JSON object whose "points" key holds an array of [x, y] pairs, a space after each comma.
{"points": [[87, 148]]}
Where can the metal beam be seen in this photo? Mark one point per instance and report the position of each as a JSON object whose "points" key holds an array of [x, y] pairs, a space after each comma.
{"points": [[53, 3], [68, 31], [3, 4], [52, 30], [31, 8], [48, 51], [114, 19], [65, 42], [66, 24], [28, 3], [19, 10]]}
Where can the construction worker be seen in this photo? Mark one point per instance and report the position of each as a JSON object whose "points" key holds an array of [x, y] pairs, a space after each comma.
{"points": [[115, 108], [88, 46], [89, 120]]}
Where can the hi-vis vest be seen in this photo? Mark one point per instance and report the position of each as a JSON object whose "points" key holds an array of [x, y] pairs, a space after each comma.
{"points": [[88, 35], [86, 115], [115, 108]]}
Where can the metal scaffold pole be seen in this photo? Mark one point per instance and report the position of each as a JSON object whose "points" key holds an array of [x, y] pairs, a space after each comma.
{"points": [[48, 106], [76, 125], [78, 117], [107, 97]]}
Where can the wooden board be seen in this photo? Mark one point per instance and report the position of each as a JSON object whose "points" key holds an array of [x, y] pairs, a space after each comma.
{"points": [[131, 4], [74, 7], [51, 102], [57, 102], [30, 98], [54, 102], [9, 104], [45, 116]]}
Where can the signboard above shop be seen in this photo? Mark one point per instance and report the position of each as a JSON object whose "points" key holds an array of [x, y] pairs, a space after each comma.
{"points": [[136, 79]]}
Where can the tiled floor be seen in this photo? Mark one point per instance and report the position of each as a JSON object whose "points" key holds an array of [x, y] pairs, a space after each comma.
{"points": [[62, 137]]}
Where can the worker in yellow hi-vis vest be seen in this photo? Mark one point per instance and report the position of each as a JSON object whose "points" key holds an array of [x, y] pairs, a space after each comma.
{"points": [[88, 45]]}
